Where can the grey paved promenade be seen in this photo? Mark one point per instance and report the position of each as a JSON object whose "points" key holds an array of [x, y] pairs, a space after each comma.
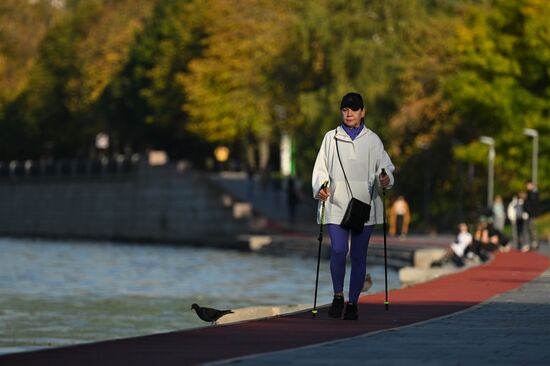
{"points": [[510, 329]]}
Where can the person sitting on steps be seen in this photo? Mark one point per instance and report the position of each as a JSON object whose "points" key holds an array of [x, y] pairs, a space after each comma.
{"points": [[456, 251]]}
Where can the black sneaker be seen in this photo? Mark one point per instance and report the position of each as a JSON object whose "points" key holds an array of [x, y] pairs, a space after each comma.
{"points": [[351, 312], [336, 308]]}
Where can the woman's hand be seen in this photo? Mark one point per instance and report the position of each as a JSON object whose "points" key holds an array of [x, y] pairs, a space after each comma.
{"points": [[324, 194], [384, 180]]}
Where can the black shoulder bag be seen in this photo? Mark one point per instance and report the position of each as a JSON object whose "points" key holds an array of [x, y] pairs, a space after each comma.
{"points": [[357, 212]]}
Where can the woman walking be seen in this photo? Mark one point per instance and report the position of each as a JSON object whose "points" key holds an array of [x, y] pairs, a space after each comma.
{"points": [[351, 158]]}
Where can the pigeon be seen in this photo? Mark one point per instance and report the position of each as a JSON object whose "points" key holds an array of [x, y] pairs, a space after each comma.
{"points": [[209, 314]]}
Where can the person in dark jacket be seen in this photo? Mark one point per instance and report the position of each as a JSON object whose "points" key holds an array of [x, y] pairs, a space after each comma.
{"points": [[531, 208]]}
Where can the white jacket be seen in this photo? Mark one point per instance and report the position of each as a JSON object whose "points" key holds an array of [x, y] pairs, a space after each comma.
{"points": [[363, 160], [511, 210]]}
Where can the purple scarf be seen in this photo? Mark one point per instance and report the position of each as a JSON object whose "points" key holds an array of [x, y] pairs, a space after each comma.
{"points": [[353, 132]]}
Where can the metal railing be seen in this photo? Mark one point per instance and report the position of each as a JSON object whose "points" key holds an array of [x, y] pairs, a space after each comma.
{"points": [[115, 166]]}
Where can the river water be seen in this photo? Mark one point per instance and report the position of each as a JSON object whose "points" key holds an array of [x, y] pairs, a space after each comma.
{"points": [[55, 293]]}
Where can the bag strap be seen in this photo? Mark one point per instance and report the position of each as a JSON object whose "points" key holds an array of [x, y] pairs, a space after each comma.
{"points": [[341, 165], [345, 177]]}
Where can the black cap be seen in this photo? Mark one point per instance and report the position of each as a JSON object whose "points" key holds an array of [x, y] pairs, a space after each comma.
{"points": [[352, 100]]}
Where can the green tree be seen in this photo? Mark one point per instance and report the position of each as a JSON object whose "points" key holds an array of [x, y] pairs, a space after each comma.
{"points": [[503, 87], [421, 131], [342, 46], [143, 103], [76, 60], [479, 72], [23, 27], [229, 93]]}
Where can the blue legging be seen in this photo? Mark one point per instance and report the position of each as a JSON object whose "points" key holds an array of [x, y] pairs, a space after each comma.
{"points": [[339, 250]]}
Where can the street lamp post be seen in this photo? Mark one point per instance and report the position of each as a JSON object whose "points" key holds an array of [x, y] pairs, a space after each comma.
{"points": [[491, 170], [534, 162]]}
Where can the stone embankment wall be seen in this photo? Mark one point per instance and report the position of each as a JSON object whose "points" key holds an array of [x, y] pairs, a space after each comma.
{"points": [[140, 204]]}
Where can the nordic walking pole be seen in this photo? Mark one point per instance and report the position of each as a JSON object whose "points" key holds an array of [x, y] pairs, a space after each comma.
{"points": [[386, 303], [314, 311]]}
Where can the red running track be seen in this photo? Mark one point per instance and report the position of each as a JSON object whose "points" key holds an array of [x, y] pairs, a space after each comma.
{"points": [[429, 300]]}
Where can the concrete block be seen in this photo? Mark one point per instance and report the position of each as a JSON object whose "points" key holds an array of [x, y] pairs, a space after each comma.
{"points": [[242, 210], [257, 242], [413, 275], [423, 258]]}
